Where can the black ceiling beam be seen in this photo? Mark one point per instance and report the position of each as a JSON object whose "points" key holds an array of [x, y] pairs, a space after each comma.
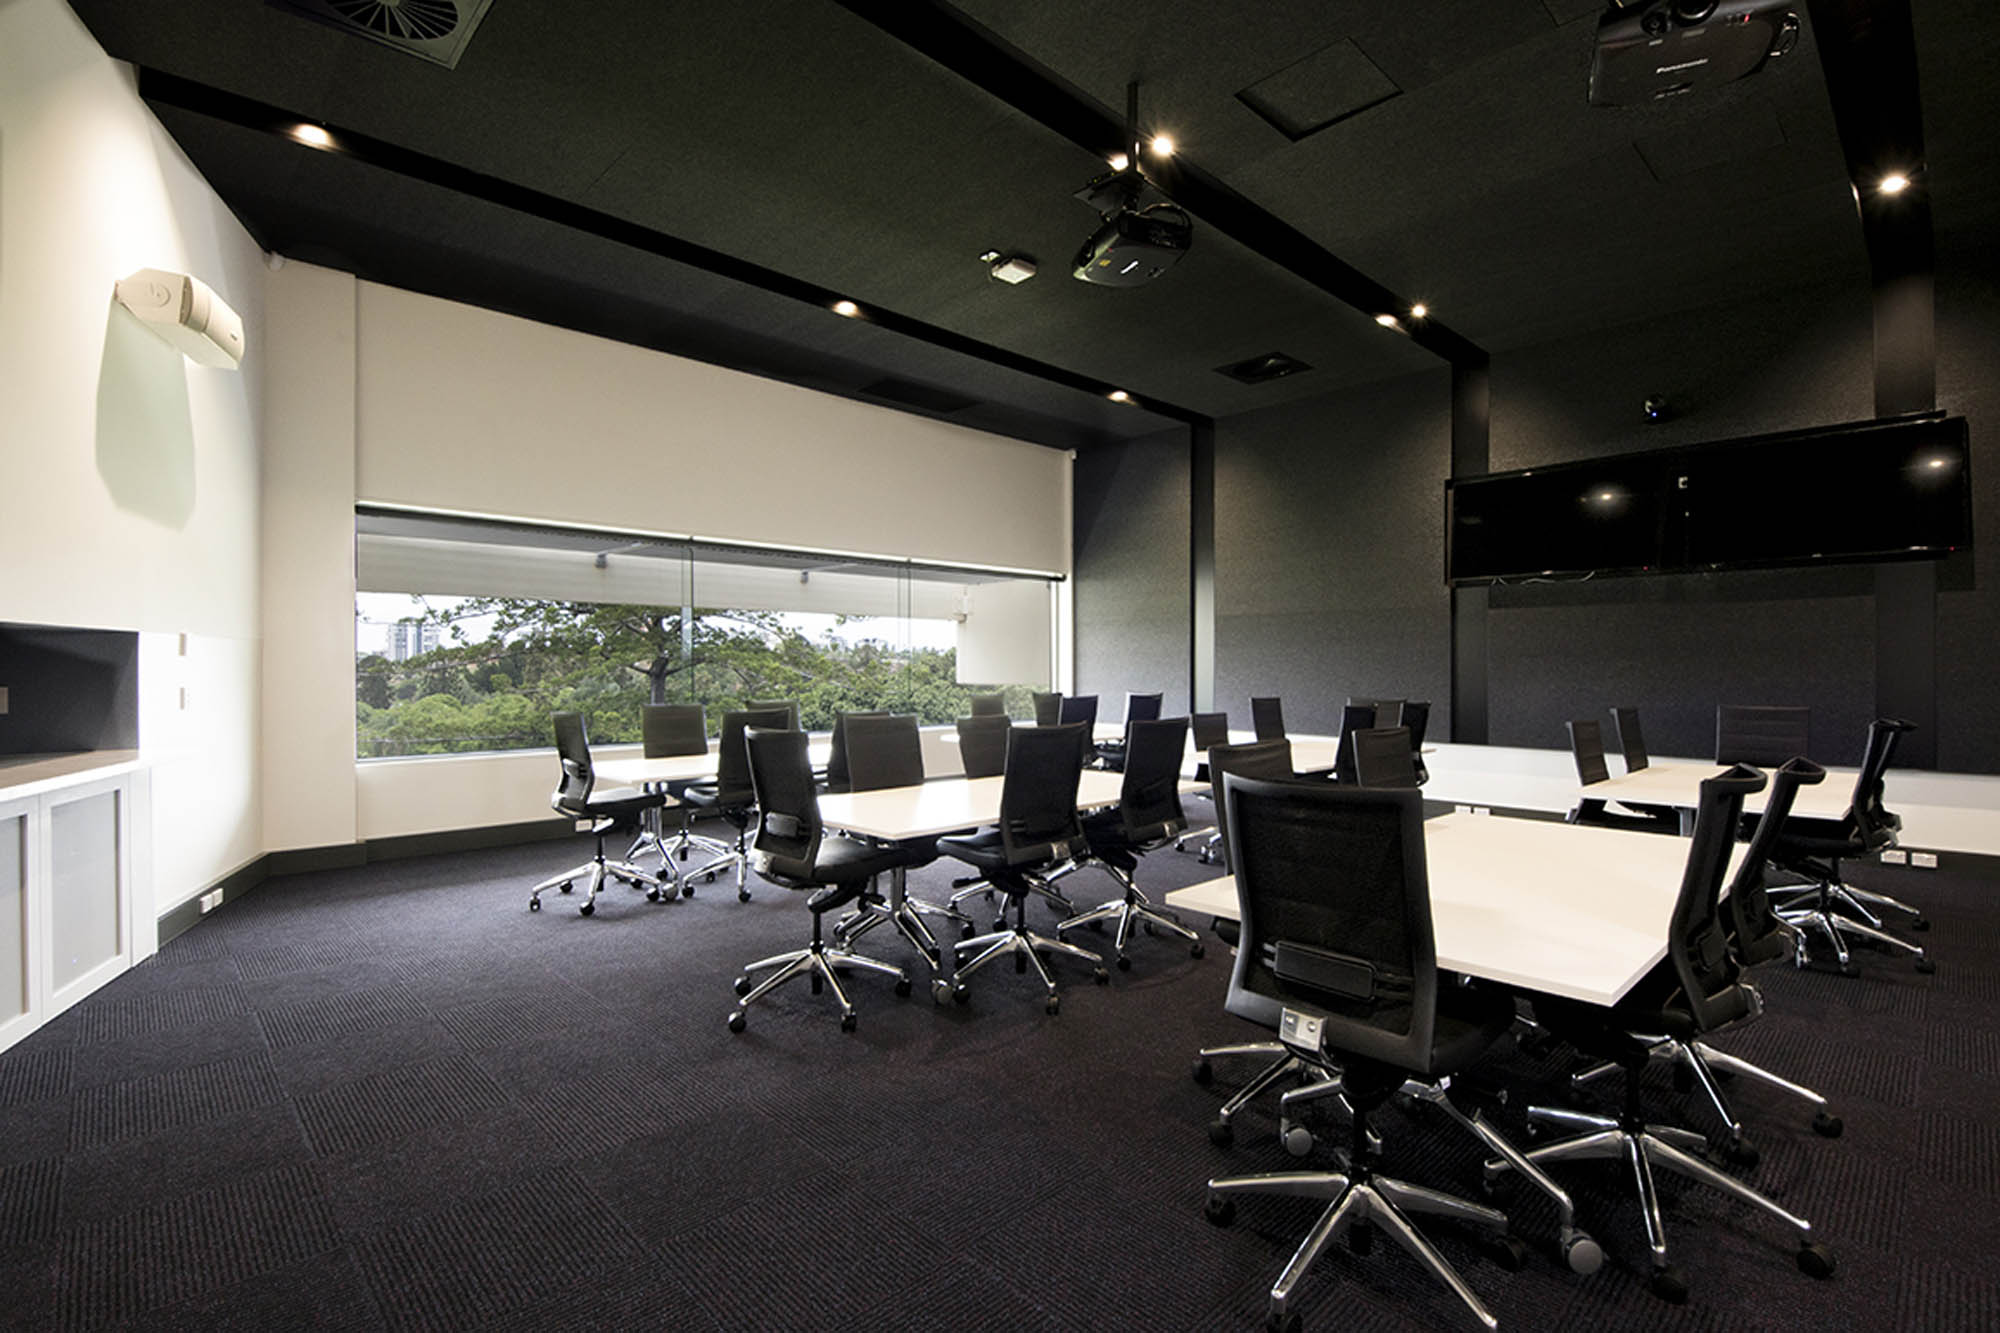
{"points": [[983, 58], [171, 90]]}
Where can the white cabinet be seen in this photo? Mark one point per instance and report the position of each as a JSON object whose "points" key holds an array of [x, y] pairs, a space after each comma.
{"points": [[70, 889]]}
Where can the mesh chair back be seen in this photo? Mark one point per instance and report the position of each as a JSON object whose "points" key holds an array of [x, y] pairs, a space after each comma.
{"points": [[732, 760], [788, 827], [791, 707], [1586, 743], [989, 705], [1388, 712], [1149, 801], [1048, 709], [1257, 759], [1210, 729], [982, 745], [1078, 708], [1759, 933], [884, 751], [1382, 758], [836, 759], [1334, 894], [1872, 821], [1358, 714], [1354, 718], [1142, 707], [1767, 737], [671, 729], [572, 793], [1267, 717], [1417, 717], [1625, 721], [1038, 819], [1697, 943]]}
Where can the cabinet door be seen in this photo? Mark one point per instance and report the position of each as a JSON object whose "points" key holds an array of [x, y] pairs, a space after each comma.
{"points": [[89, 926], [18, 980]]}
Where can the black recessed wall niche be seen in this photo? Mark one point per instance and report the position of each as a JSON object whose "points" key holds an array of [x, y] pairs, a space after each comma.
{"points": [[68, 689]]}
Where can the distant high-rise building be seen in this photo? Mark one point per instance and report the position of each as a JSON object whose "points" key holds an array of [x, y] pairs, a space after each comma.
{"points": [[411, 638]]}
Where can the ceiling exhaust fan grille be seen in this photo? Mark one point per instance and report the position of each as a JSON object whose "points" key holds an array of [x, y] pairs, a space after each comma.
{"points": [[436, 30], [420, 20]]}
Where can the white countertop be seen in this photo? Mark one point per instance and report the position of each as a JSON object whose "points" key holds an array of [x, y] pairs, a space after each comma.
{"points": [[23, 775]]}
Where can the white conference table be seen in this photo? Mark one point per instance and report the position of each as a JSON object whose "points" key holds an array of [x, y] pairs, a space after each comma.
{"points": [[639, 771], [1562, 909], [1679, 785]]}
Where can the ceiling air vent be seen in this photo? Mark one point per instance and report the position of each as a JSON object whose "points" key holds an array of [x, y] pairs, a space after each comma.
{"points": [[436, 30], [1263, 369]]}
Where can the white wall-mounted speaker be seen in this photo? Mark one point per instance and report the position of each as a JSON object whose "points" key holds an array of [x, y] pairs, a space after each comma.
{"points": [[187, 314]]}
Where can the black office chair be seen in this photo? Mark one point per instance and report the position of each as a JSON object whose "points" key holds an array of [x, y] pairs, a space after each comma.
{"points": [[1382, 758], [1388, 712], [1209, 730], [1586, 746], [665, 731], [1696, 990], [1354, 719], [790, 707], [1755, 935], [1417, 719], [576, 796], [793, 853], [1814, 849], [1147, 817], [731, 795], [988, 705], [1039, 830], [982, 745], [836, 759], [1267, 717], [1078, 708], [1764, 736], [1337, 957], [1138, 708], [884, 752], [1625, 721], [1048, 709]]}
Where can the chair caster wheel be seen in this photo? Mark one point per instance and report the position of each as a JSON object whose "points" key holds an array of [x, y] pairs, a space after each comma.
{"points": [[743, 895], [563, 887], [1204, 1072], [736, 1021], [534, 904], [652, 895], [1921, 923], [687, 889], [1220, 1133], [1850, 969], [1298, 1140], [1282, 1323], [966, 932], [1741, 1153], [960, 996], [848, 1022], [742, 986], [1583, 1255], [1669, 1284], [585, 909], [1052, 1005], [1510, 1252], [999, 923], [1220, 1210], [1815, 1260], [1196, 950], [1103, 978], [1827, 1126], [1927, 965], [902, 988], [1124, 963]]}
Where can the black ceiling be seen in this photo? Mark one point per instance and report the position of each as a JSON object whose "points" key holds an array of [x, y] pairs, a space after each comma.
{"points": [[1461, 166]]}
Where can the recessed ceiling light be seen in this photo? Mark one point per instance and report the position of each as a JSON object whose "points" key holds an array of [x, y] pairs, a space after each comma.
{"points": [[988, 256], [1162, 145], [1119, 396], [1386, 321], [1118, 161], [1893, 183], [313, 136], [1419, 310], [847, 308]]}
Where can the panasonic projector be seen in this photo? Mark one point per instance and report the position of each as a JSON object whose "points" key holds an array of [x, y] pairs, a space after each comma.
{"points": [[1134, 247], [1654, 49]]}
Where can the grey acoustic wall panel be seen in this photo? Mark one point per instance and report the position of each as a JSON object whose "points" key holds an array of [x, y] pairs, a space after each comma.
{"points": [[1968, 625], [1132, 573], [1329, 552]]}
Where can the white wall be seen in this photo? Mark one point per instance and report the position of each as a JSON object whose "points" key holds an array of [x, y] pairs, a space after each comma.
{"points": [[131, 475]]}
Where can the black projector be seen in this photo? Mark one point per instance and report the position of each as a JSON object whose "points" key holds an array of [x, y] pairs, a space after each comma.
{"points": [[1134, 247], [1664, 48]]}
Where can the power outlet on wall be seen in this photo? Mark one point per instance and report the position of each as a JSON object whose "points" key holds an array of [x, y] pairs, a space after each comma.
{"points": [[210, 901]]}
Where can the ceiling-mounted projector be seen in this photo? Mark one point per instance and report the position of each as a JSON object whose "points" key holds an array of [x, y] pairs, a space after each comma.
{"points": [[1648, 50], [1134, 245]]}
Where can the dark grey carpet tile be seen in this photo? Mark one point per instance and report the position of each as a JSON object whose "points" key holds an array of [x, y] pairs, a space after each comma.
{"points": [[645, 1294], [501, 1021], [122, 1059], [1959, 1149], [493, 1256], [603, 1107], [392, 1104], [30, 1198], [124, 1266], [1964, 1046], [110, 1017], [177, 1099], [312, 956], [36, 1075], [673, 1185], [108, 1181], [1941, 1297], [318, 1066], [324, 1293], [340, 1015], [196, 944], [1838, 1064]]}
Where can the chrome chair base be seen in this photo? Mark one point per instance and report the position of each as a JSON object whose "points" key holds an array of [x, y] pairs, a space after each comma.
{"points": [[1358, 1196], [597, 871], [1133, 907], [1835, 927], [822, 965], [1318, 1079], [1027, 947], [1702, 1061]]}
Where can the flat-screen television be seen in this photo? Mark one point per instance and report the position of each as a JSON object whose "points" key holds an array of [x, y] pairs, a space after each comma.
{"points": [[1869, 490]]}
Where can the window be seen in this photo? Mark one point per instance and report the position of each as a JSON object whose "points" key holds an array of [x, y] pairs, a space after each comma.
{"points": [[469, 634]]}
